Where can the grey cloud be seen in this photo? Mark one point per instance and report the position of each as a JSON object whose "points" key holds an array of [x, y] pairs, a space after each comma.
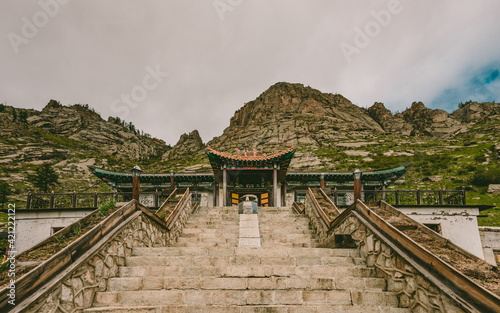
{"points": [[95, 51]]}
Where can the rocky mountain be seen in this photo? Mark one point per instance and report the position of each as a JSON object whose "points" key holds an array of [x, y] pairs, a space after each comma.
{"points": [[70, 138], [390, 123], [328, 130], [187, 144], [287, 114], [109, 137]]}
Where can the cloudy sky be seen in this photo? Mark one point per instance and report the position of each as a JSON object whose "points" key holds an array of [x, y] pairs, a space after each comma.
{"points": [[174, 66]]}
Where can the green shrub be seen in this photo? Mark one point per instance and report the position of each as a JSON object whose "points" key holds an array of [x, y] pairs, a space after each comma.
{"points": [[106, 207], [486, 176], [76, 229], [480, 158]]}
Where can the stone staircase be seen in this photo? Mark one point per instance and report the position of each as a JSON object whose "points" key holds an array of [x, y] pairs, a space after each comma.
{"points": [[207, 271]]}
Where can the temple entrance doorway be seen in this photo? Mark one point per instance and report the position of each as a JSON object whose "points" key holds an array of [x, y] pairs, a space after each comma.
{"points": [[262, 196]]}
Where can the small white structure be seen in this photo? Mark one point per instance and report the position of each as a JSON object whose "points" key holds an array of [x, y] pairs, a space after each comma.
{"points": [[458, 224], [490, 237], [34, 226]]}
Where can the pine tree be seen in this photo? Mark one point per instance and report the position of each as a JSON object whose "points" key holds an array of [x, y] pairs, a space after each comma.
{"points": [[5, 192], [45, 177]]}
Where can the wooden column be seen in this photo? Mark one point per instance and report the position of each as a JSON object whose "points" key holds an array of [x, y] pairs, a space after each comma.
{"points": [[135, 188], [224, 186], [357, 186], [51, 202], [283, 196], [322, 181], [28, 201], [172, 181], [275, 185], [215, 192]]}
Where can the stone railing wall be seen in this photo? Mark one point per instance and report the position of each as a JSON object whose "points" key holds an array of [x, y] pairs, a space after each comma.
{"points": [[413, 289], [74, 288], [317, 224]]}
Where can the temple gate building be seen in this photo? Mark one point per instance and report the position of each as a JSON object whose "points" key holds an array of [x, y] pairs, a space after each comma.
{"points": [[253, 172]]}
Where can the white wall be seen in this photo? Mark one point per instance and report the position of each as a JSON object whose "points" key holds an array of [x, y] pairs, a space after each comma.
{"points": [[459, 225], [33, 227], [490, 237]]}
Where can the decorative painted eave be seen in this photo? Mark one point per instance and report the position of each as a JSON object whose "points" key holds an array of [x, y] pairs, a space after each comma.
{"points": [[248, 162], [382, 177], [147, 179]]}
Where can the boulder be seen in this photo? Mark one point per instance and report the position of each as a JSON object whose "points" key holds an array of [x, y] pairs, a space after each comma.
{"points": [[494, 188], [434, 179]]}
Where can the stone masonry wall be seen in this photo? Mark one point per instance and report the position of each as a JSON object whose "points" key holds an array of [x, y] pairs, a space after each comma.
{"points": [[414, 291], [76, 292], [314, 221]]}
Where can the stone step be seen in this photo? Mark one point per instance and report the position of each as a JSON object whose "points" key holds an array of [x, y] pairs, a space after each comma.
{"points": [[288, 245], [205, 232], [230, 227], [275, 209], [202, 260], [285, 236], [211, 221], [324, 272], [277, 215], [226, 245], [214, 217], [249, 309], [280, 252], [284, 219], [246, 297], [209, 237], [285, 229], [243, 283]]}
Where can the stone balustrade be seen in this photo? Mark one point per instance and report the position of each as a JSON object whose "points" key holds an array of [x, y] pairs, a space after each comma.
{"points": [[75, 287], [413, 289]]}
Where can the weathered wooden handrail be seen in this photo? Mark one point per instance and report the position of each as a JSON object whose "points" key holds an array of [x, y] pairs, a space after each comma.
{"points": [[337, 211], [164, 204], [48, 269], [170, 219], [297, 208], [319, 211], [196, 206], [465, 290]]}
